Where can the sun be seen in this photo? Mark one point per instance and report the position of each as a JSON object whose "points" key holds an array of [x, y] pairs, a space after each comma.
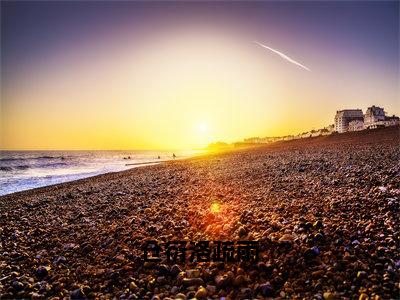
{"points": [[202, 127], [202, 133]]}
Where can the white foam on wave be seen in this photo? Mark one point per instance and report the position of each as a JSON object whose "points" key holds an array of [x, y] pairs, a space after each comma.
{"points": [[24, 170]]}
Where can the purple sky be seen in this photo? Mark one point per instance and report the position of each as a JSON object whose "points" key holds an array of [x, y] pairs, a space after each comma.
{"points": [[33, 30]]}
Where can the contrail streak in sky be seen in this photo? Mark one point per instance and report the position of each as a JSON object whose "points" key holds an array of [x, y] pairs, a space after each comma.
{"points": [[284, 56]]}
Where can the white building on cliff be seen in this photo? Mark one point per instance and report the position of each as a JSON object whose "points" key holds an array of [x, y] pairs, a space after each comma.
{"points": [[376, 117], [344, 117], [356, 125], [373, 115]]}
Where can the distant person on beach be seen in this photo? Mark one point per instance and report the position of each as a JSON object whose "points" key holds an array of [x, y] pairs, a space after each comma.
{"points": [[158, 157], [173, 155]]}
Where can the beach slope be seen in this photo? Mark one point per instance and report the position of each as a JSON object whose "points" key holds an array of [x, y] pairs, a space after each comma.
{"points": [[324, 210]]}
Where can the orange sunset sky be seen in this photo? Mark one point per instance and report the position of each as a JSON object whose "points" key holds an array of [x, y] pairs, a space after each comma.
{"points": [[134, 75]]}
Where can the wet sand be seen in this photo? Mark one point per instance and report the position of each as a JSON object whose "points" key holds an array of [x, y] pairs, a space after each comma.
{"points": [[324, 210]]}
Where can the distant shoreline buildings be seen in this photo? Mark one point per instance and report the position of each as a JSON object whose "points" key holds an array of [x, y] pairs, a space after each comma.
{"points": [[344, 117], [354, 119], [346, 120]]}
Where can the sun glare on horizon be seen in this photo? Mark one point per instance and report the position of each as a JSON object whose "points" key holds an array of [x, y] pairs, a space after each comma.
{"points": [[202, 127]]}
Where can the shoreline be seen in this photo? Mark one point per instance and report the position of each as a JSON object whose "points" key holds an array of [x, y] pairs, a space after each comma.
{"points": [[133, 166], [323, 214], [308, 140], [37, 189]]}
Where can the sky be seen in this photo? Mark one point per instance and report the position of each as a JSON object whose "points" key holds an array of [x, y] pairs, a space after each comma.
{"points": [[180, 75]]}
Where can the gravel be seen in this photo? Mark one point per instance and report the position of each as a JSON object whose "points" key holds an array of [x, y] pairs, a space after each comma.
{"points": [[324, 210]]}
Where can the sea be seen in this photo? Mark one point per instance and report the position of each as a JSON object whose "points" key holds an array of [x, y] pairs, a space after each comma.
{"points": [[24, 170]]}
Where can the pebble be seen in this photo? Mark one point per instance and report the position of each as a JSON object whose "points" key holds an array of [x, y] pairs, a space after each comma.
{"points": [[60, 260], [17, 285], [246, 293], [266, 290], [180, 296], [132, 286], [311, 253], [318, 237], [315, 250], [211, 289], [193, 273], [361, 274], [328, 232], [363, 297], [263, 267], [224, 280], [163, 270], [201, 293], [242, 231], [78, 294], [318, 224], [286, 238], [42, 271], [330, 296], [175, 270], [192, 281], [239, 280], [174, 289]]}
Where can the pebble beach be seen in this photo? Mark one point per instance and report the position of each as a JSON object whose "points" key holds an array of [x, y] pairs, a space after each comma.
{"points": [[324, 210]]}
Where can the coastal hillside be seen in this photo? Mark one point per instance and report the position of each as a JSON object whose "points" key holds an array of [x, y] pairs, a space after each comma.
{"points": [[324, 211]]}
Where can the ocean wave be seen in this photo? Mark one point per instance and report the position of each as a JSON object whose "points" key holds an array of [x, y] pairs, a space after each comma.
{"points": [[9, 169], [6, 169], [25, 167], [11, 158], [22, 167], [52, 165], [32, 158], [49, 157]]}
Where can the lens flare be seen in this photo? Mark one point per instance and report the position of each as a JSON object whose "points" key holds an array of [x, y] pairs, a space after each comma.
{"points": [[215, 207]]}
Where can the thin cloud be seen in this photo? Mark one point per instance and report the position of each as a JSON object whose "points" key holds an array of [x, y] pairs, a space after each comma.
{"points": [[284, 56]]}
